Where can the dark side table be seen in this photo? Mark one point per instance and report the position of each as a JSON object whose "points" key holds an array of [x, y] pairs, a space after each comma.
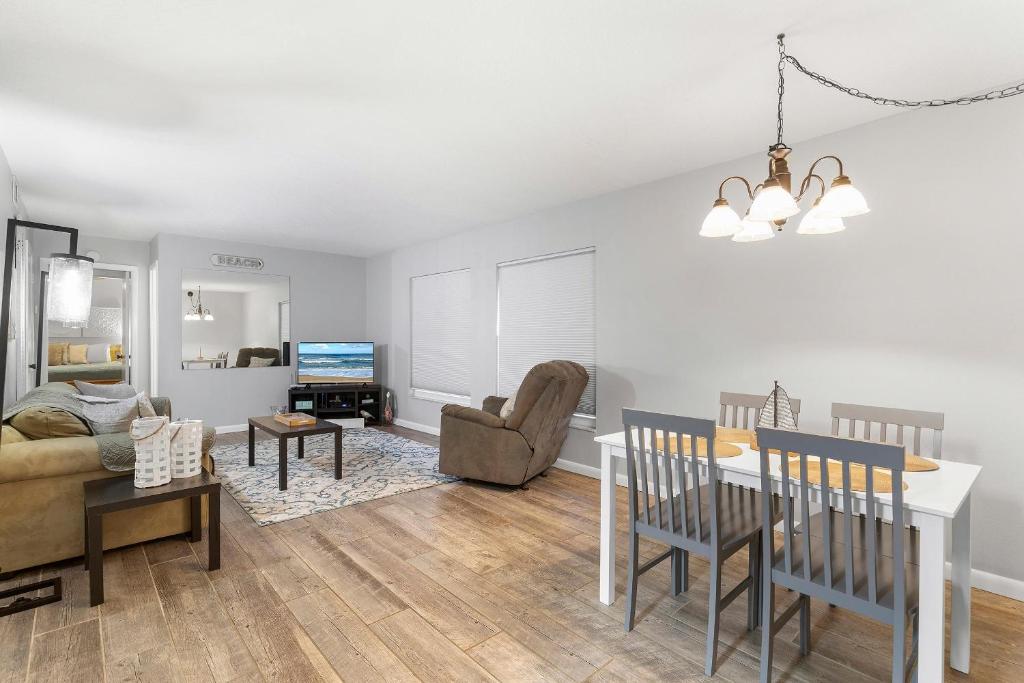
{"points": [[283, 432], [119, 493]]}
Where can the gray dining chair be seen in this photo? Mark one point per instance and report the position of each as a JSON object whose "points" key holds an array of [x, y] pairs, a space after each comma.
{"points": [[859, 422], [732, 405], [858, 562], [714, 520]]}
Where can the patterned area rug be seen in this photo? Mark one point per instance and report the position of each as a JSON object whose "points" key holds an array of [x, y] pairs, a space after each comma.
{"points": [[375, 464]]}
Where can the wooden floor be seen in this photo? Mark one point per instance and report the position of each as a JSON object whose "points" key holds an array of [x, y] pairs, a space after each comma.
{"points": [[456, 582]]}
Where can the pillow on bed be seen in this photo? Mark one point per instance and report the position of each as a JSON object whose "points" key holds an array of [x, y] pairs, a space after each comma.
{"points": [[77, 354], [97, 353], [106, 390], [116, 352], [55, 353], [43, 422]]}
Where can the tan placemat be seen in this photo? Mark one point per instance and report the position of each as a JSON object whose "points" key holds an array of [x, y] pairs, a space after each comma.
{"points": [[733, 435], [858, 475], [722, 448], [912, 463]]}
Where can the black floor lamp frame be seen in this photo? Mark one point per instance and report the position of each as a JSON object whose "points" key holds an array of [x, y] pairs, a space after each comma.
{"points": [[20, 602]]}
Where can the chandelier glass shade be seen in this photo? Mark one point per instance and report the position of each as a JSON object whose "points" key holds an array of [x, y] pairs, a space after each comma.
{"points": [[754, 231], [69, 300], [721, 221], [773, 203], [815, 222], [843, 200]]}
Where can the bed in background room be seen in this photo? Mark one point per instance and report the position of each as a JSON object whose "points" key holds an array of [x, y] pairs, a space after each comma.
{"points": [[96, 363]]}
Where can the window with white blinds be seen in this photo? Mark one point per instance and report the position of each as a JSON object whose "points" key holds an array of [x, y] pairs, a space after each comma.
{"points": [[546, 311], [442, 332]]}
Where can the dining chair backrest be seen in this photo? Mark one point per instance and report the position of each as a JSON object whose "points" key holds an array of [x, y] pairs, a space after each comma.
{"points": [[803, 551], [891, 424], [749, 405], [653, 480]]}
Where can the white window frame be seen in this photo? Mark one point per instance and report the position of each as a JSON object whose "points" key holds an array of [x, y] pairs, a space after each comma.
{"points": [[579, 421], [430, 394]]}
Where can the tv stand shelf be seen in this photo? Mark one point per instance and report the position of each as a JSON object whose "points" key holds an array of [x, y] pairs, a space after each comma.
{"points": [[338, 401]]}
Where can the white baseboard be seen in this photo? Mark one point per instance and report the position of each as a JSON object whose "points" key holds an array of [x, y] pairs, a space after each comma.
{"points": [[227, 429], [426, 429], [982, 580]]}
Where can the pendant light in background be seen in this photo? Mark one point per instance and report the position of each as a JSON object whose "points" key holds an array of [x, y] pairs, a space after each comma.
{"points": [[69, 300]]}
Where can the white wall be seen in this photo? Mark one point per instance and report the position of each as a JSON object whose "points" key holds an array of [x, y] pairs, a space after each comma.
{"points": [[262, 313], [917, 305], [7, 210], [328, 302]]}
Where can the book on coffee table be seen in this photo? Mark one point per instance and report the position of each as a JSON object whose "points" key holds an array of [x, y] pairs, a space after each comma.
{"points": [[295, 419]]}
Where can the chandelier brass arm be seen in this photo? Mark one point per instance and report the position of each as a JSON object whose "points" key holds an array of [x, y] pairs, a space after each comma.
{"points": [[805, 185], [746, 183]]}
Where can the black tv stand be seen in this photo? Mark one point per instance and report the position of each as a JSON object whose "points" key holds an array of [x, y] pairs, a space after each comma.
{"points": [[338, 401]]}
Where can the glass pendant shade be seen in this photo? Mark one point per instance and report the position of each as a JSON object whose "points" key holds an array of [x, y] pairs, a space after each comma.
{"points": [[754, 231], [721, 221], [814, 223], [773, 203], [208, 316], [192, 316], [843, 200], [69, 300]]}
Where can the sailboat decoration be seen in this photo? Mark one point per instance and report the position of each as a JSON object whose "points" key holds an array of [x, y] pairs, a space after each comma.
{"points": [[777, 411]]}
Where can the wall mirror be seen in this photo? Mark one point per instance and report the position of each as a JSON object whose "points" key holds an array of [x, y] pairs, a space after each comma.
{"points": [[234, 320]]}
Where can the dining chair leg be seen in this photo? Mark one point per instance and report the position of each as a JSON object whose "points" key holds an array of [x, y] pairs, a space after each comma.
{"points": [[805, 624], [631, 580], [714, 613], [899, 655], [767, 623], [677, 571], [755, 580]]}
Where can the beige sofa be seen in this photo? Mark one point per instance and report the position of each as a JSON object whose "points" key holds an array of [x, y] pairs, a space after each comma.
{"points": [[41, 495], [479, 444]]}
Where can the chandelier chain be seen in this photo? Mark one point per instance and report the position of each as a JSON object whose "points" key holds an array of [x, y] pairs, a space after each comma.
{"points": [[997, 94], [782, 87]]}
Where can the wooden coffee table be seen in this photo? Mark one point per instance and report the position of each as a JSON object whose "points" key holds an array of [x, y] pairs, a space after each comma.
{"points": [[283, 432], [119, 493]]}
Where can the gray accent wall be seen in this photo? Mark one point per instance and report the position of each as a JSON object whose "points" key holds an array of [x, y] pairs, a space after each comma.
{"points": [[328, 303], [916, 305]]}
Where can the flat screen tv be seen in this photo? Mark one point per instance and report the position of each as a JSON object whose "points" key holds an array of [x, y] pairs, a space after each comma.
{"points": [[335, 362]]}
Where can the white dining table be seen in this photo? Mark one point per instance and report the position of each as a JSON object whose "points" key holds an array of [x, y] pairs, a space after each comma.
{"points": [[932, 500]]}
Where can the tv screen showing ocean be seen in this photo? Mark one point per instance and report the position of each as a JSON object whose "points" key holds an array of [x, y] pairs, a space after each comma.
{"points": [[343, 361]]}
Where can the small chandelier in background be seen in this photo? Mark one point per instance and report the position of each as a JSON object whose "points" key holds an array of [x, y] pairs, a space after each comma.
{"points": [[772, 201], [197, 312]]}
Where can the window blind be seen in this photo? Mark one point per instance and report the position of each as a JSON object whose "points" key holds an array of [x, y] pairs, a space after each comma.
{"points": [[546, 311], [441, 334]]}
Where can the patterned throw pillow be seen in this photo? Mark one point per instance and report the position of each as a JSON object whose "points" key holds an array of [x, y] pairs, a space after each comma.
{"points": [[116, 415], [106, 390], [257, 362]]}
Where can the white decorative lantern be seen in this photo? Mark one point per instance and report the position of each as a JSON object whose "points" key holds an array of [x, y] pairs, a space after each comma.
{"points": [[152, 438], [186, 448], [69, 299]]}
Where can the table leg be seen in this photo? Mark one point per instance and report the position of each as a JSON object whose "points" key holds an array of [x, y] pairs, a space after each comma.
{"points": [[606, 585], [337, 454], [282, 463], [94, 526], [960, 620], [302, 447], [252, 446], [214, 530], [195, 514], [85, 554], [932, 591]]}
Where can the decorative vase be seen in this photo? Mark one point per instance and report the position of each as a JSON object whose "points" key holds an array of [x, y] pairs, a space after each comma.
{"points": [[389, 412]]}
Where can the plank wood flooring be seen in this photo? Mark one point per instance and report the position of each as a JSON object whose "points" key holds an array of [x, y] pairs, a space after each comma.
{"points": [[459, 582]]}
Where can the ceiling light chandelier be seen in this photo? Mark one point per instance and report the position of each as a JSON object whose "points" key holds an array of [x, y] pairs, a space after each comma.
{"points": [[772, 201], [197, 312]]}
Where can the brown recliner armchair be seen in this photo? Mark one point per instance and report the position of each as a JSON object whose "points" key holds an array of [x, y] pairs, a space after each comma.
{"points": [[479, 444]]}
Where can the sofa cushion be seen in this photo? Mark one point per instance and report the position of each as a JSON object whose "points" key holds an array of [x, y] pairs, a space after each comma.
{"points": [[43, 422], [11, 435], [42, 459], [106, 390]]}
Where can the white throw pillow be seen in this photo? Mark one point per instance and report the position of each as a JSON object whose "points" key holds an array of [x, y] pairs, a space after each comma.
{"points": [[98, 353], [257, 362], [508, 406], [121, 390], [116, 416]]}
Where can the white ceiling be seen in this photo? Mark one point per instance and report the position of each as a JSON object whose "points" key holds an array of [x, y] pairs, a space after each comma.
{"points": [[356, 127]]}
